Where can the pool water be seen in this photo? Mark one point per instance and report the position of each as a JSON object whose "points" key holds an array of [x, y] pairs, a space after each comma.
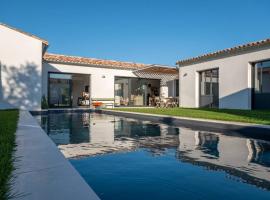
{"points": [[125, 158]]}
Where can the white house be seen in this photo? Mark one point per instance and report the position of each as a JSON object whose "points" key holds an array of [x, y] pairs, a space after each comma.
{"points": [[234, 78], [30, 74], [21, 68], [234, 155]]}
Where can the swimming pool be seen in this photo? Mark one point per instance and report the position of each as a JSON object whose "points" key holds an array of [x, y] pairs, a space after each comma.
{"points": [[125, 158]]}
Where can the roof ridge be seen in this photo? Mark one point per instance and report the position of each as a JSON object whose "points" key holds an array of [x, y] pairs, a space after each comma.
{"points": [[25, 33], [97, 59], [60, 58], [224, 51]]}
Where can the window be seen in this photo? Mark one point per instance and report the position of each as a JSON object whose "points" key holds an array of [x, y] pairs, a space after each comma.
{"points": [[209, 80], [209, 91], [134, 91], [262, 77], [59, 90], [177, 87]]}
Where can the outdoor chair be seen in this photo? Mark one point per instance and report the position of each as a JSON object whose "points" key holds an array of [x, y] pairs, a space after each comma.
{"points": [[169, 102], [157, 102], [163, 102], [175, 102]]}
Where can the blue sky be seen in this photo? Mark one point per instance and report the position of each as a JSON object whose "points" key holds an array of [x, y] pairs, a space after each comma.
{"points": [[146, 31]]}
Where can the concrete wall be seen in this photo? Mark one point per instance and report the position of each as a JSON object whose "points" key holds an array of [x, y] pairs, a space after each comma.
{"points": [[101, 82], [20, 67], [234, 80]]}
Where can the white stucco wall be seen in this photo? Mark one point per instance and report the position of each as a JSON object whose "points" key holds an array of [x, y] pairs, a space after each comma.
{"points": [[101, 81], [233, 152], [164, 91], [234, 80], [21, 64]]}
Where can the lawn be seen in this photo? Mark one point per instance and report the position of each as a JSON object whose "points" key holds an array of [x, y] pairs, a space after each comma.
{"points": [[8, 125], [247, 116]]}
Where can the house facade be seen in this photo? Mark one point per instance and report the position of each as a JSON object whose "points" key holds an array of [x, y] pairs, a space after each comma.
{"points": [[235, 78], [30, 75]]}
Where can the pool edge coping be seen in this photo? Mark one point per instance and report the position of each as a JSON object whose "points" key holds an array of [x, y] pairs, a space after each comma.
{"points": [[43, 176]]}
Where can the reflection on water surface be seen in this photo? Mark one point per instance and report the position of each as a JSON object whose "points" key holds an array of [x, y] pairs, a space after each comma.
{"points": [[90, 140]]}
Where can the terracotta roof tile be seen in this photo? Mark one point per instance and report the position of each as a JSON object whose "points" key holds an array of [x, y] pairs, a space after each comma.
{"points": [[228, 51], [57, 58]]}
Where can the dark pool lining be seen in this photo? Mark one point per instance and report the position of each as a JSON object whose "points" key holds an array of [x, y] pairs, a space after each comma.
{"points": [[228, 129], [253, 132]]}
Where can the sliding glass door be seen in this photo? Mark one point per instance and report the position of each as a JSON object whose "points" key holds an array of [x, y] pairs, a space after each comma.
{"points": [[134, 91], [59, 90], [209, 88], [261, 85]]}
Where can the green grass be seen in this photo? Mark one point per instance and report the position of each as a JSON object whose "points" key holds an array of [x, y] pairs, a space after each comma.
{"points": [[8, 125], [247, 116]]}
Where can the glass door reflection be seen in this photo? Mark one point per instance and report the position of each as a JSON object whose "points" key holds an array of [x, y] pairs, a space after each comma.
{"points": [[60, 90]]}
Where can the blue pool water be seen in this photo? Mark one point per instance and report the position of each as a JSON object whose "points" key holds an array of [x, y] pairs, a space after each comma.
{"points": [[124, 158]]}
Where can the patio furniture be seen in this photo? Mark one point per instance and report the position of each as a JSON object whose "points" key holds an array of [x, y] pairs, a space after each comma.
{"points": [[85, 103], [84, 100], [152, 101], [106, 102], [97, 104], [138, 100], [176, 102], [169, 102], [117, 100], [157, 102], [131, 102], [124, 101], [162, 101]]}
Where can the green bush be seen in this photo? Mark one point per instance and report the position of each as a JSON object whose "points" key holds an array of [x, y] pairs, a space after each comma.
{"points": [[44, 103]]}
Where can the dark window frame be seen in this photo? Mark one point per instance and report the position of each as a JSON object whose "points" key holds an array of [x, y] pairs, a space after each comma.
{"points": [[70, 91]]}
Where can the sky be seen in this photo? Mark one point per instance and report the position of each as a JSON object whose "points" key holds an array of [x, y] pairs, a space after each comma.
{"points": [[144, 31]]}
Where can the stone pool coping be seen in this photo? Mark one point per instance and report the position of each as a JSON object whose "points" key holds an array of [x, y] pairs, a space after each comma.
{"points": [[41, 171], [197, 123]]}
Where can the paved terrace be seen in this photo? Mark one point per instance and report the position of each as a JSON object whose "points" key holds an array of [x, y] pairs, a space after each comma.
{"points": [[42, 172]]}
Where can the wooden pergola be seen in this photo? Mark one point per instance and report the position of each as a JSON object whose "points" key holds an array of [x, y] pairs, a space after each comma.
{"points": [[163, 73]]}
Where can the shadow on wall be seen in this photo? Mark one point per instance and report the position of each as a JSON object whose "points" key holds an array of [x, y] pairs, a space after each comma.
{"points": [[21, 86], [237, 100], [245, 99]]}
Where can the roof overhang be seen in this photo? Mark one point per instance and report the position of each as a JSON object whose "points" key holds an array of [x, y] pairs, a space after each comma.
{"points": [[84, 61], [157, 69], [162, 73], [45, 42], [253, 46]]}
